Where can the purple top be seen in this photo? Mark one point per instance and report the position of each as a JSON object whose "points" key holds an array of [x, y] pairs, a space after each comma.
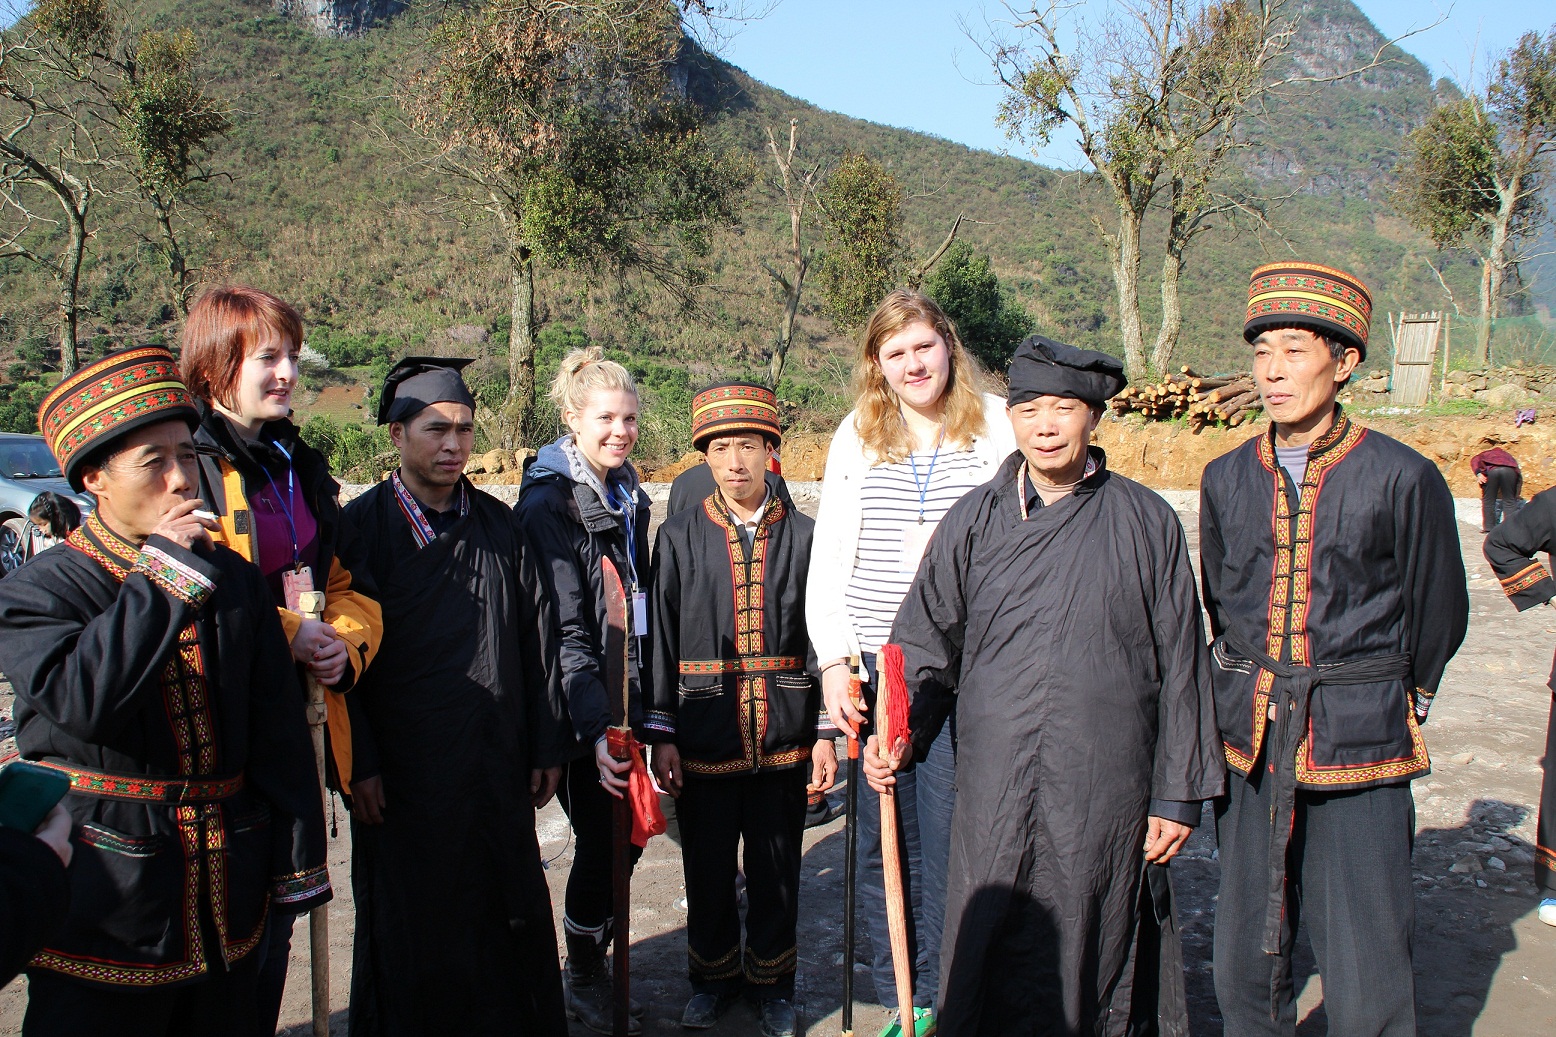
{"points": [[275, 534]]}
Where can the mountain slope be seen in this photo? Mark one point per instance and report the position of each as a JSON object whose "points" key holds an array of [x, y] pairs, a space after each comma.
{"points": [[324, 209]]}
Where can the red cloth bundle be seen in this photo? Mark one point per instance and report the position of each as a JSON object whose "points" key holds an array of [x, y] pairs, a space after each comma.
{"points": [[647, 819], [893, 702]]}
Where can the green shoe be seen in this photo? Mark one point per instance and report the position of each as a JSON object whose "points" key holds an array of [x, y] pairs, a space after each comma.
{"points": [[923, 1024]]}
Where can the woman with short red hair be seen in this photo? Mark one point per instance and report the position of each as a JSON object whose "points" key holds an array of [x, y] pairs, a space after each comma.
{"points": [[279, 507]]}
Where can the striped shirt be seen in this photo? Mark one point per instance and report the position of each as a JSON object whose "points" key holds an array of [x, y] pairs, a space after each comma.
{"points": [[889, 499]]}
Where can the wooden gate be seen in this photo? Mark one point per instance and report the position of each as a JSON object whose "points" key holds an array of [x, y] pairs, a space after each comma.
{"points": [[1415, 350]]}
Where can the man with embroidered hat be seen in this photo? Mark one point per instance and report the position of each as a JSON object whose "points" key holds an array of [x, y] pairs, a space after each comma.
{"points": [[735, 718], [460, 745], [1055, 613], [150, 668], [1329, 557]]}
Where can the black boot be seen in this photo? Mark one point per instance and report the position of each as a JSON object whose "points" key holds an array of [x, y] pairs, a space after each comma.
{"points": [[588, 982]]}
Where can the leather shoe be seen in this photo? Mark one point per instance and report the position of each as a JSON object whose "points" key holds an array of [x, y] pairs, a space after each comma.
{"points": [[778, 1019], [703, 1011]]}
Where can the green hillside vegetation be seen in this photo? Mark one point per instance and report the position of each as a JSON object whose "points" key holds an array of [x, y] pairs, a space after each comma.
{"points": [[323, 208]]}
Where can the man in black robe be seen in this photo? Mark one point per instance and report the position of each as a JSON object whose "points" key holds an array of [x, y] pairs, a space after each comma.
{"points": [[736, 719], [454, 925], [1511, 550], [1055, 611], [1332, 574], [150, 668]]}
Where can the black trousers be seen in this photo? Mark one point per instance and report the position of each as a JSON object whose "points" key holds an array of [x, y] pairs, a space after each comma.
{"points": [[715, 814], [1545, 853], [587, 907], [1498, 497], [221, 1005], [1348, 882]]}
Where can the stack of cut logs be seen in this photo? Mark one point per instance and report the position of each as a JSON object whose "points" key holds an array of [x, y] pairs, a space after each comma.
{"points": [[1227, 400]]}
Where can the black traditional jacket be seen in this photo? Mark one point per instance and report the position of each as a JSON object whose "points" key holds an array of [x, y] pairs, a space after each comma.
{"points": [[1511, 549], [734, 683], [1360, 563], [159, 681]]}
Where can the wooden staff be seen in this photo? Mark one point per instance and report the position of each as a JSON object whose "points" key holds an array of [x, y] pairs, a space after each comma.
{"points": [[619, 741], [891, 857], [311, 605], [850, 853]]}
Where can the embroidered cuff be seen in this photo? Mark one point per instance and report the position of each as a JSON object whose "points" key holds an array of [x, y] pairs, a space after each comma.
{"points": [[657, 721], [825, 728], [290, 890], [1422, 701], [176, 577]]}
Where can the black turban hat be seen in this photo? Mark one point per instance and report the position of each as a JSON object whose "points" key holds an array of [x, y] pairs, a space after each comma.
{"points": [[418, 381], [1043, 367]]}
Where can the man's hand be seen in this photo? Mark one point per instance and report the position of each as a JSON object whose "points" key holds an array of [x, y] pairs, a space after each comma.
{"points": [[613, 772], [1481, 478], [667, 769], [543, 785], [1163, 839], [880, 768], [319, 648], [367, 800], [54, 832], [179, 525], [823, 766], [837, 693]]}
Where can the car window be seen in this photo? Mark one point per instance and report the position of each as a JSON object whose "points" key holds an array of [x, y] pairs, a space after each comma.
{"points": [[28, 459]]}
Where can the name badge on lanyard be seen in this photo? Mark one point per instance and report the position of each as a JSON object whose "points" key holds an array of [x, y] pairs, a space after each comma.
{"points": [[639, 612], [915, 539], [293, 583]]}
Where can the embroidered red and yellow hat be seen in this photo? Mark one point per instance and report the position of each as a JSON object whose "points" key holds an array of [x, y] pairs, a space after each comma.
{"points": [[1328, 300], [101, 402], [729, 407]]}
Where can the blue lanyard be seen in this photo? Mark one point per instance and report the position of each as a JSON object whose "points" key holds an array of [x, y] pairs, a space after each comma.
{"points": [[923, 487], [628, 504], [291, 524]]}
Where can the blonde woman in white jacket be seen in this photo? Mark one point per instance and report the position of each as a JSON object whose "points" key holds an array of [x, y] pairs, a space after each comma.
{"points": [[920, 436]]}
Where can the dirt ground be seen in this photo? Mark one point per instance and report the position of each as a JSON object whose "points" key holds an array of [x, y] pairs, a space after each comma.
{"points": [[1484, 964]]}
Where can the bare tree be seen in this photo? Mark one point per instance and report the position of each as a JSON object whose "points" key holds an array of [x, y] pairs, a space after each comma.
{"points": [[1157, 92], [799, 186]]}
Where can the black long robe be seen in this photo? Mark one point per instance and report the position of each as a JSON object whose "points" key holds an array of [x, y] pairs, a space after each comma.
{"points": [[160, 679], [1511, 550], [454, 925], [1072, 646]]}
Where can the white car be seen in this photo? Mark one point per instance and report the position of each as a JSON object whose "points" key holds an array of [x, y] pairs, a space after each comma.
{"points": [[27, 468]]}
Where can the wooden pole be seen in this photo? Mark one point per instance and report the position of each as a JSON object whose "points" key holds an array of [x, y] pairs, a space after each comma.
{"points": [[891, 865], [621, 898], [311, 605]]}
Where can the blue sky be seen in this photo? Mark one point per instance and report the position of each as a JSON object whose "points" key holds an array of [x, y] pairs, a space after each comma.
{"points": [[908, 63]]}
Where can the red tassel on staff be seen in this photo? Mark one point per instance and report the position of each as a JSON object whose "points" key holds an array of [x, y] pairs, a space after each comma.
{"points": [[648, 820], [891, 704]]}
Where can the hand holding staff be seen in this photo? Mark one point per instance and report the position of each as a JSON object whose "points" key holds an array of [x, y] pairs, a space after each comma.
{"points": [[311, 605]]}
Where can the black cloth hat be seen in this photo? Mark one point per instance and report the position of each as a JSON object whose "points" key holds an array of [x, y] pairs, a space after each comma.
{"points": [[1043, 367], [418, 381]]}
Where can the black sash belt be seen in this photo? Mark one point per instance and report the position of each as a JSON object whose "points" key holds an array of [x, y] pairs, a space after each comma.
{"points": [[1292, 696]]}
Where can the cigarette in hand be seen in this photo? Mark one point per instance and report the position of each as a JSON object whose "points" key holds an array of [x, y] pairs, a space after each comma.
{"points": [[204, 515]]}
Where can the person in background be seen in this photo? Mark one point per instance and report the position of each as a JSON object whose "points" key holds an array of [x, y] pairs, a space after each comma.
{"points": [[454, 931], [734, 714], [1511, 549], [580, 503], [34, 889], [150, 668], [1331, 571], [51, 518], [1501, 481], [277, 505], [919, 437]]}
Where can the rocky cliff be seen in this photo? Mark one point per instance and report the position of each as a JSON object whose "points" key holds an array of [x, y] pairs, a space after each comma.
{"points": [[341, 17]]}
